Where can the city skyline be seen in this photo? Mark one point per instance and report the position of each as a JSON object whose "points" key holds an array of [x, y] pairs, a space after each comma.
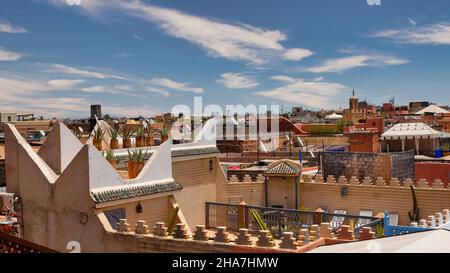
{"points": [[144, 57]]}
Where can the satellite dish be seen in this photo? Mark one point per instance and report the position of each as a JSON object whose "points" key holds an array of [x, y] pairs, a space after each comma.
{"points": [[42, 132], [80, 129]]}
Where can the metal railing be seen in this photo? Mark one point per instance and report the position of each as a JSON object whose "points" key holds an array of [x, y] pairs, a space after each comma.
{"points": [[357, 221], [279, 220]]}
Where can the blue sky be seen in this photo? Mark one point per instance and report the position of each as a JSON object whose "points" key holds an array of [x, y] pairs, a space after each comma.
{"points": [[144, 57]]}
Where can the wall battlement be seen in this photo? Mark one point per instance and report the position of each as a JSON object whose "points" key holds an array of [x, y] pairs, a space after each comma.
{"points": [[379, 182]]}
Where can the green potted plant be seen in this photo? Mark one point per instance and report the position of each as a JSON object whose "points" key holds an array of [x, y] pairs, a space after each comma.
{"points": [[164, 135], [114, 142], [126, 134], [109, 156], [149, 136], [98, 138], [136, 162], [140, 136]]}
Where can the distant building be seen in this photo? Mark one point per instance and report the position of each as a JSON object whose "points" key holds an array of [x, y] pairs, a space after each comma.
{"points": [[7, 117], [417, 137], [96, 111], [416, 106]]}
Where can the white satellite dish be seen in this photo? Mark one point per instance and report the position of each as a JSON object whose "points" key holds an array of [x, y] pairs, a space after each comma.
{"points": [[42, 132], [80, 129]]}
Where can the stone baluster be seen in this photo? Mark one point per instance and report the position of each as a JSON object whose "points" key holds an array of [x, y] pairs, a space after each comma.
{"points": [[367, 181], [200, 234], [395, 182], [123, 226], [319, 179], [303, 237], [243, 237], [380, 182], [314, 234], [366, 233], [247, 178], [234, 179], [446, 213], [408, 182], [439, 218], [260, 178], [331, 179], [160, 229], [288, 241], [422, 184], [345, 233], [181, 231], [437, 184], [141, 227], [423, 223], [342, 180], [264, 239], [326, 231], [354, 180], [222, 236], [431, 221]]}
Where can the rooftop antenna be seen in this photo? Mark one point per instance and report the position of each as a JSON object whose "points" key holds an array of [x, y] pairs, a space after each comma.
{"points": [[353, 92]]}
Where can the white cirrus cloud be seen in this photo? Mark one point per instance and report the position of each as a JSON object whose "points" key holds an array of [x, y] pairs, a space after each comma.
{"points": [[237, 81], [70, 70], [10, 28], [122, 55], [299, 91], [283, 79], [232, 41], [64, 84], [168, 83], [97, 89], [297, 54], [6, 55], [339, 65], [115, 89], [158, 91], [15, 85], [434, 34]]}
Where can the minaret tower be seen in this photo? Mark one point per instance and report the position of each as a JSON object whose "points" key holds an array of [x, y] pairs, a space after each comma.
{"points": [[353, 102]]}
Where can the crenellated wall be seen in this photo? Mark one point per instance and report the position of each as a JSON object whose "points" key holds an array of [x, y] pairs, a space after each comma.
{"points": [[368, 194]]}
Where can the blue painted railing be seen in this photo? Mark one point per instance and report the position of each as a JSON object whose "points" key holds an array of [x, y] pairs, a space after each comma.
{"points": [[399, 230]]}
